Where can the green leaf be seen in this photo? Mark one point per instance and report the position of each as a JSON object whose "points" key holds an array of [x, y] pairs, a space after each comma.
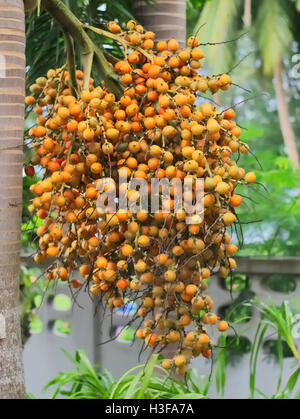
{"points": [[189, 396], [221, 365], [218, 22], [134, 386], [125, 376], [148, 372], [273, 33], [292, 382], [258, 341], [297, 4]]}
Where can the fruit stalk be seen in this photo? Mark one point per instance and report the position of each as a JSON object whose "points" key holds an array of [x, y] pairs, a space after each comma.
{"points": [[71, 25]]}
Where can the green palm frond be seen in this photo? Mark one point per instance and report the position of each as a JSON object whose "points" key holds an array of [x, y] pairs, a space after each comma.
{"points": [[274, 33], [44, 46], [297, 4], [45, 43], [219, 22]]}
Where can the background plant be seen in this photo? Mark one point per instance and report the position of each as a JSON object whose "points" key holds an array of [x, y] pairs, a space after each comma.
{"points": [[282, 321], [148, 381]]}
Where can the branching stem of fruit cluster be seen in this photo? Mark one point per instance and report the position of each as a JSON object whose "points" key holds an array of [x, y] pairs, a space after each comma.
{"points": [[71, 63], [124, 43], [72, 26]]}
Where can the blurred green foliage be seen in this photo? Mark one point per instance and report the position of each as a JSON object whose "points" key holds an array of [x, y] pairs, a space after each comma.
{"points": [[282, 283], [32, 292], [272, 205], [270, 214], [29, 222]]}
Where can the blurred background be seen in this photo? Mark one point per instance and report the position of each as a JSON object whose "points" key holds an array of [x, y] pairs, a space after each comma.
{"points": [[257, 43]]}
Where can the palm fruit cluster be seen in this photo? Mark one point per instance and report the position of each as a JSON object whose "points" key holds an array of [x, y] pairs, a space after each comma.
{"points": [[158, 128]]}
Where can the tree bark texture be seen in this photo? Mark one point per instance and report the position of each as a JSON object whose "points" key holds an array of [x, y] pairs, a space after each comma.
{"points": [[166, 18], [12, 91]]}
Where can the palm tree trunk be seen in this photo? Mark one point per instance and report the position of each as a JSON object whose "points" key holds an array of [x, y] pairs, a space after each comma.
{"points": [[167, 18], [247, 14], [12, 77], [285, 123]]}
